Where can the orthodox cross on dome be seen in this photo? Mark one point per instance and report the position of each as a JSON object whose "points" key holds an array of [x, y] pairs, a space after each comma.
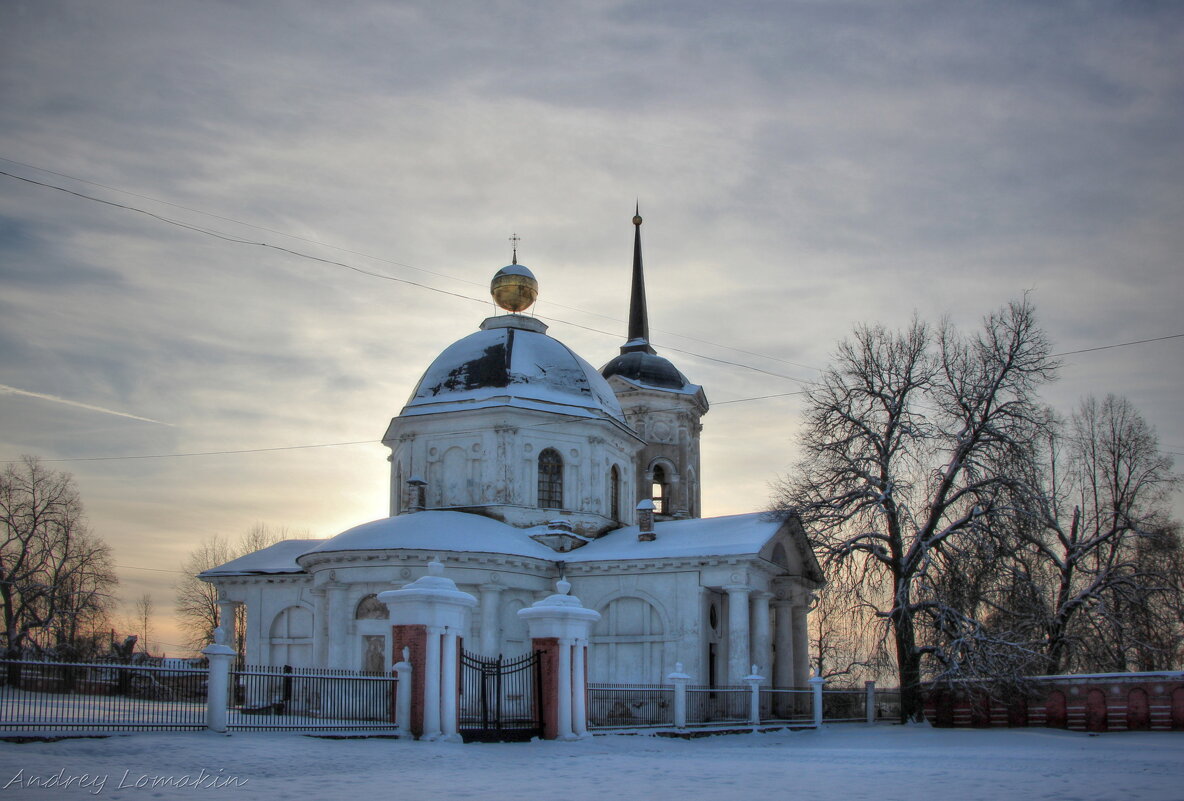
{"points": [[514, 240]]}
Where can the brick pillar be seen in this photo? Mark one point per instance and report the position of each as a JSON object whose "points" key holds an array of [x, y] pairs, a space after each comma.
{"points": [[414, 638], [548, 648]]}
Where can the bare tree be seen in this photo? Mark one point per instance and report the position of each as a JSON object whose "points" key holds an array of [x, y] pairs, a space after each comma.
{"points": [[55, 575], [1104, 541], [902, 438], [197, 601], [143, 620]]}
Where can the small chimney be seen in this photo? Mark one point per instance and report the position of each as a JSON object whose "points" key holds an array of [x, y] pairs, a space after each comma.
{"points": [[416, 494], [645, 521]]}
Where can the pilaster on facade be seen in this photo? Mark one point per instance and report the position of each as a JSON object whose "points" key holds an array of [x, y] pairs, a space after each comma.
{"points": [[340, 615]]}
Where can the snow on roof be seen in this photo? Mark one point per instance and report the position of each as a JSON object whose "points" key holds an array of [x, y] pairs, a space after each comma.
{"points": [[278, 558], [437, 531], [516, 363], [461, 532], [731, 535]]}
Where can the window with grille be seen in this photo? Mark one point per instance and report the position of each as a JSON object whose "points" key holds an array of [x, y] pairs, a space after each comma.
{"points": [[550, 479]]}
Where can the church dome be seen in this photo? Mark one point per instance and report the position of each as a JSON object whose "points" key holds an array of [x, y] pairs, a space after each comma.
{"points": [[511, 361], [647, 369]]}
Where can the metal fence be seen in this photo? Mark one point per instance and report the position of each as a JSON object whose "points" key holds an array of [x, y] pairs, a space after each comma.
{"points": [[271, 697], [718, 704], [887, 704], [39, 696], [630, 705], [844, 706], [787, 706]]}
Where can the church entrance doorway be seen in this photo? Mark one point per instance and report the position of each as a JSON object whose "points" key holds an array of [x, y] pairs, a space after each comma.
{"points": [[500, 700]]}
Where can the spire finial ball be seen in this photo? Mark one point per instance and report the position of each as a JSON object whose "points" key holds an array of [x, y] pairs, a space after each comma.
{"points": [[637, 219], [514, 288]]}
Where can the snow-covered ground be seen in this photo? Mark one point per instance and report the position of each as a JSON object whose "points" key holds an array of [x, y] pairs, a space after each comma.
{"points": [[846, 762]]}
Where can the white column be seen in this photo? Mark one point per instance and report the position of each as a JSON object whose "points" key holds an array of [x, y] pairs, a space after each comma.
{"points": [[738, 661], [801, 647], [490, 606], [783, 673], [448, 718], [339, 617], [762, 646], [226, 610], [563, 716], [431, 684], [579, 717]]}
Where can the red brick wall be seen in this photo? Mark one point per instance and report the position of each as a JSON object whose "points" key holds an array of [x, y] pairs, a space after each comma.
{"points": [[1086, 703]]}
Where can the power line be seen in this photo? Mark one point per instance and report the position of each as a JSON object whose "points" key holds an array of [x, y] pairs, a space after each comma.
{"points": [[564, 418], [352, 252], [1119, 345], [152, 569], [300, 254]]}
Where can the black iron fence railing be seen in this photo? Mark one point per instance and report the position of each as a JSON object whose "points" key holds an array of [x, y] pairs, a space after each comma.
{"points": [[718, 704], [785, 705], [100, 696], [630, 705], [844, 705], [273, 697]]}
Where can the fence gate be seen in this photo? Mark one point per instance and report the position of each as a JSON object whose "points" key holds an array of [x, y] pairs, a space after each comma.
{"points": [[500, 699]]}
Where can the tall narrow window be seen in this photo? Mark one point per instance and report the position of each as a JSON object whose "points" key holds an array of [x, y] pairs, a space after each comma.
{"points": [[660, 490], [614, 492], [550, 479]]}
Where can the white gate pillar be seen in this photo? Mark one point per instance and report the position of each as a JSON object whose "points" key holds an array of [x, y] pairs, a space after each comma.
{"points": [[428, 618], [219, 655], [560, 627]]}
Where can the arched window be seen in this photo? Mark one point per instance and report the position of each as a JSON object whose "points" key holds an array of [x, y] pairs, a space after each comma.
{"points": [[550, 479], [614, 492], [660, 490], [370, 608]]}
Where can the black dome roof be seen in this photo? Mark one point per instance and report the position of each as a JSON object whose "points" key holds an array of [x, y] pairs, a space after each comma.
{"points": [[646, 368], [511, 361]]}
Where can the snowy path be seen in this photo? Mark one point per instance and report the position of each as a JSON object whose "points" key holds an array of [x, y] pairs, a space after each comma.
{"points": [[840, 762]]}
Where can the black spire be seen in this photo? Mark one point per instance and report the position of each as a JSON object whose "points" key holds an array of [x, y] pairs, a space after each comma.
{"points": [[639, 319]]}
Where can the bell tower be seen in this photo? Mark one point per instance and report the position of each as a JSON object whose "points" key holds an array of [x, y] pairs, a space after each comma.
{"points": [[662, 406]]}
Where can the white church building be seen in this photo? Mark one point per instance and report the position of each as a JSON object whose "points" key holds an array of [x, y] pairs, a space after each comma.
{"points": [[515, 463]]}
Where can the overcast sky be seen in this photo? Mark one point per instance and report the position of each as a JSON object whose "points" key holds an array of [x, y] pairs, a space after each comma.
{"points": [[801, 167]]}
